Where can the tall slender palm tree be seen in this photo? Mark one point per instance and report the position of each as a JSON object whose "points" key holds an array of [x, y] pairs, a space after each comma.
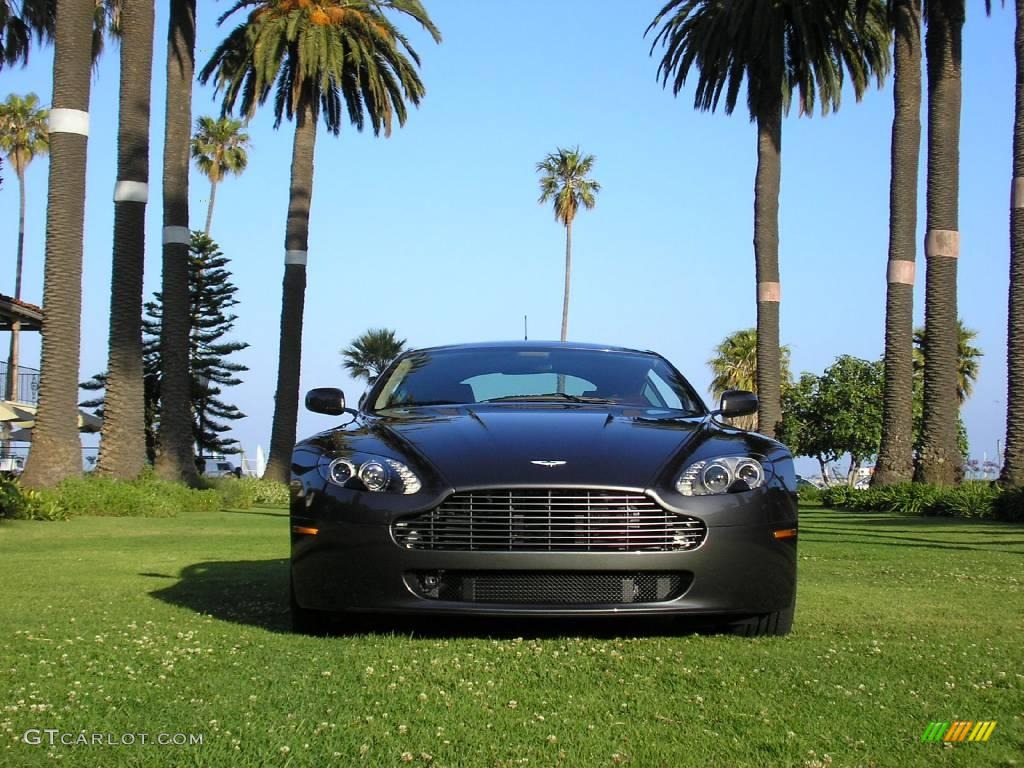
{"points": [[123, 443], [782, 49], [56, 451], [372, 352], [734, 366], [565, 182], [19, 23], [175, 459], [967, 356], [939, 460], [1013, 457], [219, 147], [895, 462], [318, 59], [24, 135]]}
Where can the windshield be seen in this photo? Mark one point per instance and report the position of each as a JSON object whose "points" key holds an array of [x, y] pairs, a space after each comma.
{"points": [[524, 374]]}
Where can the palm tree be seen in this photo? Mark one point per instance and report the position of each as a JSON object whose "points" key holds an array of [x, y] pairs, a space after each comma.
{"points": [[372, 352], [895, 463], [19, 22], [175, 460], [565, 181], [123, 437], [24, 135], [966, 360], [1013, 461], [734, 366], [319, 59], [939, 461], [56, 451], [786, 48], [219, 147]]}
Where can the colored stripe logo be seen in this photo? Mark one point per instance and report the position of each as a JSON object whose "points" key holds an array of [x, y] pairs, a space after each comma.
{"points": [[961, 730]]}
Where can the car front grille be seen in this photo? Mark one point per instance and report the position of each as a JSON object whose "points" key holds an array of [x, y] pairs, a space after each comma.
{"points": [[549, 520], [550, 587]]}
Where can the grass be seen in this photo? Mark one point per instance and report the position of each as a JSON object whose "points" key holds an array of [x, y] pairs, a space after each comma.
{"points": [[179, 626]]}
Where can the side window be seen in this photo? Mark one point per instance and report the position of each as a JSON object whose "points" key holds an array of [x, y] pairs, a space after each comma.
{"points": [[660, 394]]}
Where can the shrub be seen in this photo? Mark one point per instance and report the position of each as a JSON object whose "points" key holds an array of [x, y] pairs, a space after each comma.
{"points": [[25, 504], [809, 495], [234, 493], [1009, 506], [265, 491], [967, 501], [970, 500], [144, 497]]}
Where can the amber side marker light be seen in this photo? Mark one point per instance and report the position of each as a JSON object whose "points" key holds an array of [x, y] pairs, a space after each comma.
{"points": [[305, 530], [785, 533]]}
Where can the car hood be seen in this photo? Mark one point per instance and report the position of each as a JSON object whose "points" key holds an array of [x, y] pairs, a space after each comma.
{"points": [[495, 446]]}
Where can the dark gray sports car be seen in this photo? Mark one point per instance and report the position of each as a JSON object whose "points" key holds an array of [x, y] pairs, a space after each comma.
{"points": [[541, 479]]}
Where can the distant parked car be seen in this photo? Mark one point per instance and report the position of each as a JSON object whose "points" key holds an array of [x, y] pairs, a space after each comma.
{"points": [[542, 479], [220, 468]]}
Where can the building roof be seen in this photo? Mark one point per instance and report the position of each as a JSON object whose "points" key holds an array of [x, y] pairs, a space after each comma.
{"points": [[12, 309]]}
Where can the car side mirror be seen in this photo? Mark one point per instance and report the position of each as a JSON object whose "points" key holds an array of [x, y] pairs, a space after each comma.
{"points": [[329, 400], [737, 402]]}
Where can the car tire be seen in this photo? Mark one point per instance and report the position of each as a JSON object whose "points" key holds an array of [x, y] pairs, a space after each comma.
{"points": [[306, 621], [774, 624]]}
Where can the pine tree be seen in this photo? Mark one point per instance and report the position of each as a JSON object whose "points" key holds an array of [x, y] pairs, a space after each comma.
{"points": [[211, 297]]}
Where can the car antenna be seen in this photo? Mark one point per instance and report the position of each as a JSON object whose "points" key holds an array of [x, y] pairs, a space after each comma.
{"points": [[526, 335]]}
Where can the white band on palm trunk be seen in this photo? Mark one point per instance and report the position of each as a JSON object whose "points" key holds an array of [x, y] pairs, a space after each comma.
{"points": [[69, 121], [177, 236], [769, 292], [295, 257], [131, 192], [902, 272], [1017, 193], [942, 242]]}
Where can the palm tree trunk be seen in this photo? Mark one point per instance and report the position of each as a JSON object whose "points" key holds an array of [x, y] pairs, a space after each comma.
{"points": [[13, 359], [1013, 465], [21, 232], [568, 279], [940, 460], [896, 456], [766, 256], [209, 207], [296, 243], [123, 437], [175, 459], [56, 451]]}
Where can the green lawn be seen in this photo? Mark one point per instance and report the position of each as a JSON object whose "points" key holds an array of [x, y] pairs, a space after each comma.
{"points": [[179, 626]]}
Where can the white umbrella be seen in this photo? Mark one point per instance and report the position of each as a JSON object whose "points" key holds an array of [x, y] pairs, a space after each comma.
{"points": [[22, 417]]}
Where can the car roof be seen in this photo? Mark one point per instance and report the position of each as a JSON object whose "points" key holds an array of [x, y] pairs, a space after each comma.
{"points": [[535, 345]]}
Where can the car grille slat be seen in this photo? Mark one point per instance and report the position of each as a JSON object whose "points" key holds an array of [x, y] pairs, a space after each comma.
{"points": [[550, 519]]}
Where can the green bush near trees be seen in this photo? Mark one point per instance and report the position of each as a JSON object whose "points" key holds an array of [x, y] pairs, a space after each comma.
{"points": [[147, 496], [977, 500]]}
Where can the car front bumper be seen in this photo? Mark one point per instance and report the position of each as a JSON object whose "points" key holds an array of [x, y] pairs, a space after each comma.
{"points": [[352, 563]]}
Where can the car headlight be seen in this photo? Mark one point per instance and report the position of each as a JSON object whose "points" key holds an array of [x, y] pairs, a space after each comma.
{"points": [[728, 474], [364, 471]]}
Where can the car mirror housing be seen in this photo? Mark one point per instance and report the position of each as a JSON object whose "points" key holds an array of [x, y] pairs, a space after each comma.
{"points": [[737, 402], [328, 400]]}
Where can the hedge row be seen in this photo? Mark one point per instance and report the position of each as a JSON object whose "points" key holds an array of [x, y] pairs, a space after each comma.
{"points": [[146, 497], [969, 500]]}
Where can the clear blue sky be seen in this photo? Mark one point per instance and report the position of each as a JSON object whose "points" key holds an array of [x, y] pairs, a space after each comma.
{"points": [[436, 232]]}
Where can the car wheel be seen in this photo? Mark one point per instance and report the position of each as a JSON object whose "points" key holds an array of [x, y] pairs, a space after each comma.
{"points": [[777, 623], [306, 621]]}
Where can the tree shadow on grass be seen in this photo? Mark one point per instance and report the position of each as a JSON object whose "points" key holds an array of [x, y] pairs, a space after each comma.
{"points": [[255, 593]]}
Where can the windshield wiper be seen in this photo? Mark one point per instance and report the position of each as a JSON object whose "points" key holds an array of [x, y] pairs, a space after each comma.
{"points": [[552, 396]]}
